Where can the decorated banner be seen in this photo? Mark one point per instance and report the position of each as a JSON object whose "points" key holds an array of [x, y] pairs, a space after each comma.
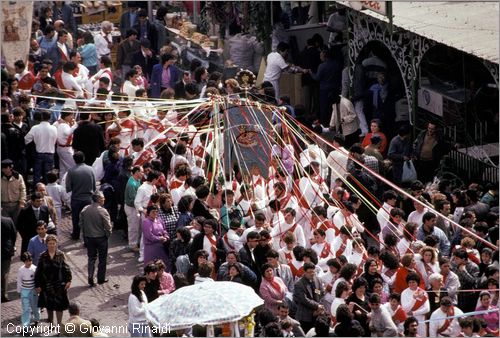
{"points": [[247, 139], [16, 31]]}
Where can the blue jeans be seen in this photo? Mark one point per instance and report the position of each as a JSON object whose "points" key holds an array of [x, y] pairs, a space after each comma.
{"points": [[44, 162], [29, 301], [97, 246], [76, 208]]}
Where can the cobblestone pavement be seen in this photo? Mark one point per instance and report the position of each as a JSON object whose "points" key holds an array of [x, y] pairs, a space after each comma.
{"points": [[107, 302]]}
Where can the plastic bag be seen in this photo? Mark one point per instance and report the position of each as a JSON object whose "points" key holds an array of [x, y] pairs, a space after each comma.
{"points": [[409, 172]]}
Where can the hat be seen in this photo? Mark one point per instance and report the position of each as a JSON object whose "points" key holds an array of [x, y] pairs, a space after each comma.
{"points": [[145, 43], [7, 163]]}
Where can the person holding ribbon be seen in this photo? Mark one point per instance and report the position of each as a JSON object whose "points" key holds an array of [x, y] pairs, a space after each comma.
{"points": [[415, 301]]}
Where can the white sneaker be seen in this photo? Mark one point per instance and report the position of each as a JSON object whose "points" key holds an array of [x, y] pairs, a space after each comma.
{"points": [[140, 259]]}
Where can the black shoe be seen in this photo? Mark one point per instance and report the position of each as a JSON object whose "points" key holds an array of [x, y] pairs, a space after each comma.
{"points": [[91, 282], [5, 299], [74, 238], [102, 281]]}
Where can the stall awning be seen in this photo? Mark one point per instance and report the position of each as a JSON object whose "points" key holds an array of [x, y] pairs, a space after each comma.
{"points": [[471, 27]]}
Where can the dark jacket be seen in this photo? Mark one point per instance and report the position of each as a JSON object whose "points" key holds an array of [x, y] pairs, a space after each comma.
{"points": [[8, 237], [180, 90], [441, 148], [156, 74], [146, 63], [307, 299], [246, 259], [201, 209], [67, 16], [54, 54], [26, 222], [151, 35], [88, 138], [197, 244]]}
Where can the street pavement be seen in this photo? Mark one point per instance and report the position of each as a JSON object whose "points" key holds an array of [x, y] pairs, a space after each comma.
{"points": [[107, 302]]}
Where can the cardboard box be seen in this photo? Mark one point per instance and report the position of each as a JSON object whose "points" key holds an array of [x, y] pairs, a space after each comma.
{"points": [[291, 86], [92, 18], [114, 14]]}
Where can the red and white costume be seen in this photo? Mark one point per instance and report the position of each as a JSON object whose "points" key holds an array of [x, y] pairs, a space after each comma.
{"points": [[418, 303], [25, 80], [279, 232], [342, 247], [324, 252], [441, 326], [126, 134]]}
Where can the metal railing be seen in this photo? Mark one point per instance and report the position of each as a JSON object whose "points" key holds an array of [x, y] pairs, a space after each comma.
{"points": [[473, 169]]}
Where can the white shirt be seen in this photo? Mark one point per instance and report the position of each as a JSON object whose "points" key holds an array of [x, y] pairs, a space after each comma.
{"points": [[26, 277], [315, 153], [44, 135], [69, 82], [421, 268], [101, 45], [416, 217], [63, 48], [129, 88], [403, 246], [438, 319], [337, 243], [407, 302], [58, 194], [64, 131], [143, 196], [279, 231], [275, 65], [101, 73], [383, 215], [137, 309], [234, 240], [337, 160]]}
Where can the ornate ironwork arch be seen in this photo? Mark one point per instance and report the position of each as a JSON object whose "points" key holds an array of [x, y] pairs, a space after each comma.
{"points": [[493, 69], [406, 48]]}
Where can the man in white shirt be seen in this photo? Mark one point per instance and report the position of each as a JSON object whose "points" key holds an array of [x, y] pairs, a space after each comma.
{"points": [[278, 232], [337, 160], [104, 71], [104, 40], [65, 127], [81, 73], [232, 240], [45, 136], [260, 223], [440, 324], [389, 198], [70, 86], [276, 64]]}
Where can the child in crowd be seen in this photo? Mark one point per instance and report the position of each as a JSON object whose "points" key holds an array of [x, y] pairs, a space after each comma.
{"points": [[57, 192], [26, 287]]}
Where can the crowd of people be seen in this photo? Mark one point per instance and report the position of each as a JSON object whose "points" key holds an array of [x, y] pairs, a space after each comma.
{"points": [[326, 240]]}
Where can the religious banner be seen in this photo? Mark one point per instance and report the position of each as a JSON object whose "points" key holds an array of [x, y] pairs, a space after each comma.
{"points": [[246, 139], [16, 31]]}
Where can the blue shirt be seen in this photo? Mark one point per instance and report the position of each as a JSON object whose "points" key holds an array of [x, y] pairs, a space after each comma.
{"points": [[88, 53], [35, 248], [444, 243]]}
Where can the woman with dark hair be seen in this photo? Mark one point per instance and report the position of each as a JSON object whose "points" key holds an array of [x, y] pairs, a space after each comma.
{"points": [[154, 236], [179, 250], [184, 207], [371, 273], [130, 85], [346, 274], [375, 130], [460, 201], [165, 279], [390, 267], [346, 325], [360, 300], [199, 257], [88, 52], [234, 273], [137, 323], [272, 289], [52, 280], [200, 77]]}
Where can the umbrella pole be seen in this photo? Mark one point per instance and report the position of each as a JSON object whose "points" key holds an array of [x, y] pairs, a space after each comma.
{"points": [[236, 329], [210, 331]]}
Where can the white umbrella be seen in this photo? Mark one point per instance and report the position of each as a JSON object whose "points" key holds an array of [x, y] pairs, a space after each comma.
{"points": [[207, 303]]}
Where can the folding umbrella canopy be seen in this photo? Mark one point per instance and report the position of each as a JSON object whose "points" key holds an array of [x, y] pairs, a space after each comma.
{"points": [[208, 303]]}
